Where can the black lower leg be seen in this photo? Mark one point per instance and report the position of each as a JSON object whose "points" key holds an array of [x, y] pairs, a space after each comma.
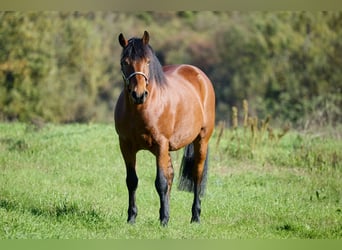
{"points": [[132, 184], [196, 207], [162, 189]]}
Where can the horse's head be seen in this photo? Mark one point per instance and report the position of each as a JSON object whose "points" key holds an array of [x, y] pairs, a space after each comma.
{"points": [[135, 61]]}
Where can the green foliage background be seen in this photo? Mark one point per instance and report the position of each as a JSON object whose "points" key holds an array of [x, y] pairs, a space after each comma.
{"points": [[64, 66]]}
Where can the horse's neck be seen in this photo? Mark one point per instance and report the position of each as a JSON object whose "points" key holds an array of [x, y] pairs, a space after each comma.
{"points": [[154, 104]]}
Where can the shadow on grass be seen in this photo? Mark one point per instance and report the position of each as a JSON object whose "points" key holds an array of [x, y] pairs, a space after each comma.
{"points": [[64, 210]]}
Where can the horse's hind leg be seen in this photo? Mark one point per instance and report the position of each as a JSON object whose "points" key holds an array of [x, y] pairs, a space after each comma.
{"points": [[199, 176]]}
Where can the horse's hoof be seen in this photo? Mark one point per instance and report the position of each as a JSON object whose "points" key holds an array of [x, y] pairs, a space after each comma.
{"points": [[195, 220], [131, 221], [164, 223]]}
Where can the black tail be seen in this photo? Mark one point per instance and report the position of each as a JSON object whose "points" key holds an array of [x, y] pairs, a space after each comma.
{"points": [[186, 181]]}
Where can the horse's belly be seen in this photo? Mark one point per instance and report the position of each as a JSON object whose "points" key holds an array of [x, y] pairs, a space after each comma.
{"points": [[180, 139]]}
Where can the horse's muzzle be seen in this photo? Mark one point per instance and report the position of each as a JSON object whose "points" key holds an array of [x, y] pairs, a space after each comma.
{"points": [[139, 99]]}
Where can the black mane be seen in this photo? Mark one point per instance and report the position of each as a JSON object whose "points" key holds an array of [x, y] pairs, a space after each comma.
{"points": [[136, 50]]}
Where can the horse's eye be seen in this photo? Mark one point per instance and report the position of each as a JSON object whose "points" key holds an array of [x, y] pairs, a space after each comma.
{"points": [[124, 63]]}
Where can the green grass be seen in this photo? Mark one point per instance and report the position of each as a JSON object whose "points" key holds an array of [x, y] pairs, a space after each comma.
{"points": [[68, 181]]}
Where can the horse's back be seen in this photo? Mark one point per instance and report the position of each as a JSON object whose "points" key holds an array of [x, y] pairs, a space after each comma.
{"points": [[194, 76]]}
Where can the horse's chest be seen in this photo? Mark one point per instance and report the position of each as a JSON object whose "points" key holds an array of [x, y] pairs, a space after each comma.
{"points": [[141, 137], [145, 140]]}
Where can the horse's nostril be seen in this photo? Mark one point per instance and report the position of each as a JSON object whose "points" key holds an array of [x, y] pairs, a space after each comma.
{"points": [[134, 95], [139, 99]]}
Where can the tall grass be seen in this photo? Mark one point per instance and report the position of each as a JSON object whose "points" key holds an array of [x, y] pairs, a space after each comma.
{"points": [[256, 141], [68, 181]]}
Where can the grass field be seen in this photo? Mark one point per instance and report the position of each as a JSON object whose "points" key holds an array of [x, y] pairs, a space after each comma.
{"points": [[68, 182]]}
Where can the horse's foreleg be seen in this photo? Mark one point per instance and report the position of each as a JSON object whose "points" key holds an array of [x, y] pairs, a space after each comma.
{"points": [[131, 181], [132, 184], [163, 185]]}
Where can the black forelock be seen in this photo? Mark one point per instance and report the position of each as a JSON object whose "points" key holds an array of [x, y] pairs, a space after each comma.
{"points": [[135, 49]]}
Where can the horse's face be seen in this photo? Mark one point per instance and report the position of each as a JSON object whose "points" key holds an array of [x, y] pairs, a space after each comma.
{"points": [[135, 74], [135, 67]]}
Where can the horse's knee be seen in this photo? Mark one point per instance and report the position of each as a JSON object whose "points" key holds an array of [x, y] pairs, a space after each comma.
{"points": [[131, 180], [161, 183], [170, 173], [165, 175]]}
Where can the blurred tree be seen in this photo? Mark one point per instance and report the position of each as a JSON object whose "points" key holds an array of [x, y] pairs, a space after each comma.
{"points": [[64, 66]]}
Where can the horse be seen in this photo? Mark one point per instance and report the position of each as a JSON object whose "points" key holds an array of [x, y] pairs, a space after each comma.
{"points": [[163, 109]]}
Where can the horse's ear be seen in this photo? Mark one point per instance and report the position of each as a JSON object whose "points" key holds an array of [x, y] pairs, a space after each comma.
{"points": [[145, 38], [122, 40]]}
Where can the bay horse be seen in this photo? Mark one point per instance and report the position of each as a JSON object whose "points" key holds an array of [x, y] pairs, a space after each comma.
{"points": [[162, 109]]}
